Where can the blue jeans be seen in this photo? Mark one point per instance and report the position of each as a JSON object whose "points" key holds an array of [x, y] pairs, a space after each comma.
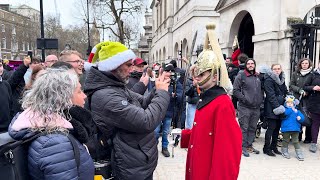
{"points": [[166, 123], [191, 111]]}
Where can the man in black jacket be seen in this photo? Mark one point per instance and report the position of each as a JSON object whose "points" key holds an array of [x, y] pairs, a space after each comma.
{"points": [[247, 89], [127, 117], [7, 89], [138, 80]]}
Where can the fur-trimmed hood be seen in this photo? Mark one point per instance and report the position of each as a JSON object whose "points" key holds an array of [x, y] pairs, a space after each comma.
{"points": [[278, 79]]}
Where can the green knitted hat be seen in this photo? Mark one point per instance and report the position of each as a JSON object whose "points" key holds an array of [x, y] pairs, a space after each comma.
{"points": [[109, 56]]}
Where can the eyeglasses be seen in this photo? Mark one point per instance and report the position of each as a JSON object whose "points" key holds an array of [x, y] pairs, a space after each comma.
{"points": [[79, 61], [276, 69]]}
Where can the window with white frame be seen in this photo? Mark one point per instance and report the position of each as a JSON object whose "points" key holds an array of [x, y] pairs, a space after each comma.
{"points": [[3, 43], [3, 15], [12, 18], [3, 28]]}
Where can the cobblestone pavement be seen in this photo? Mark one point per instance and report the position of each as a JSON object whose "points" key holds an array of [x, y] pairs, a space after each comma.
{"points": [[255, 167]]}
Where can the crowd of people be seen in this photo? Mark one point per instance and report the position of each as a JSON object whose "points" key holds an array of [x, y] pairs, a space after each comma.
{"points": [[120, 102], [264, 96]]}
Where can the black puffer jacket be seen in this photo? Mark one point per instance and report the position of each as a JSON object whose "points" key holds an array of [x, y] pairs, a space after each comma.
{"points": [[297, 83], [276, 90], [134, 117], [135, 84], [313, 104], [232, 72], [10, 94]]}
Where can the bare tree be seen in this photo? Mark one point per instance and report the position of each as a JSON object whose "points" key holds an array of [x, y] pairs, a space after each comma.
{"points": [[113, 13], [75, 36]]}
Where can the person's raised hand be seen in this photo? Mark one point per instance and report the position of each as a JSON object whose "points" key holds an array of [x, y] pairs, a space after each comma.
{"points": [[27, 61], [162, 83], [145, 79]]}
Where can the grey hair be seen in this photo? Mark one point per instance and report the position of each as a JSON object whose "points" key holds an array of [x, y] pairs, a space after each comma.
{"points": [[51, 94]]}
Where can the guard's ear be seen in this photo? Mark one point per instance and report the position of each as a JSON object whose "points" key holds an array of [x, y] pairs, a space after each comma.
{"points": [[215, 77]]}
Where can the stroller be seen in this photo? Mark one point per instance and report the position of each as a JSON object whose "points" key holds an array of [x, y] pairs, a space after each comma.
{"points": [[262, 123]]}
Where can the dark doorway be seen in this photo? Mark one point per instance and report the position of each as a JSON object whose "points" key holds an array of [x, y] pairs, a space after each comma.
{"points": [[246, 31]]}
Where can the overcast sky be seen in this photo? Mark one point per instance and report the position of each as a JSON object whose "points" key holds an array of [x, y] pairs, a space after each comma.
{"points": [[67, 8], [71, 11]]}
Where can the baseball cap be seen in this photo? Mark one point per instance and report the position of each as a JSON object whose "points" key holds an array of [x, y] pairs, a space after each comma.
{"points": [[138, 61], [169, 67]]}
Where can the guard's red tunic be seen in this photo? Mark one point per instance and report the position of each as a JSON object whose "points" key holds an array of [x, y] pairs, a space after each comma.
{"points": [[234, 57], [215, 142]]}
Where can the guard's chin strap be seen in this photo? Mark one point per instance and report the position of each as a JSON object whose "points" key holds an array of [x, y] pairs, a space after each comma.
{"points": [[205, 80]]}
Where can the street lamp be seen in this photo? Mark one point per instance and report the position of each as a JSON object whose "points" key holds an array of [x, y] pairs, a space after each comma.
{"points": [[103, 28], [88, 23]]}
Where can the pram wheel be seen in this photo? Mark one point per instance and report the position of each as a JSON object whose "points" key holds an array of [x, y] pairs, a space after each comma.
{"points": [[258, 132]]}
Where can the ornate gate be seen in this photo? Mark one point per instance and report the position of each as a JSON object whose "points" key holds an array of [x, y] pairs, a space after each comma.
{"points": [[303, 43]]}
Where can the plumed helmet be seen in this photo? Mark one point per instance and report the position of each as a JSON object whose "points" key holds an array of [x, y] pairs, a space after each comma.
{"points": [[206, 61], [211, 58]]}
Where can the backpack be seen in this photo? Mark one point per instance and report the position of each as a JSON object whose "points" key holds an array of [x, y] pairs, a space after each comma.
{"points": [[100, 146], [14, 157]]}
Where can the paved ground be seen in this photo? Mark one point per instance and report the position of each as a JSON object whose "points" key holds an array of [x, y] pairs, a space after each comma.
{"points": [[255, 167]]}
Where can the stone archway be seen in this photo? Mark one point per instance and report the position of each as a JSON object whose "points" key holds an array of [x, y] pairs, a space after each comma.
{"points": [[243, 27]]}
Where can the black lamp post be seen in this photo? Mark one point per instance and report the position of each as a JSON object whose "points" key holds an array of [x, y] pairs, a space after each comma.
{"points": [[42, 30], [88, 23], [103, 28], [181, 54]]}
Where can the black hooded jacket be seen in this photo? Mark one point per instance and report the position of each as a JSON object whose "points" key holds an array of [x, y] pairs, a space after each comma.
{"points": [[135, 84], [276, 90], [134, 117]]}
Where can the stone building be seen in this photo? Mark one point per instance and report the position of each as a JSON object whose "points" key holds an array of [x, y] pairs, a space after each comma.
{"points": [[263, 27], [174, 25], [144, 44], [17, 32]]}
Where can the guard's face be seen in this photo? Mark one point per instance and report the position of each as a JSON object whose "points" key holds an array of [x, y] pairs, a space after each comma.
{"points": [[205, 80]]}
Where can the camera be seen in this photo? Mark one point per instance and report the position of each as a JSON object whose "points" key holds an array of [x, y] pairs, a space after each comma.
{"points": [[173, 78], [156, 73]]}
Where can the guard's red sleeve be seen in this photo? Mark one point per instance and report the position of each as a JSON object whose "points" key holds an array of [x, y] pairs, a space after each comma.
{"points": [[234, 57], [227, 148], [185, 138]]}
